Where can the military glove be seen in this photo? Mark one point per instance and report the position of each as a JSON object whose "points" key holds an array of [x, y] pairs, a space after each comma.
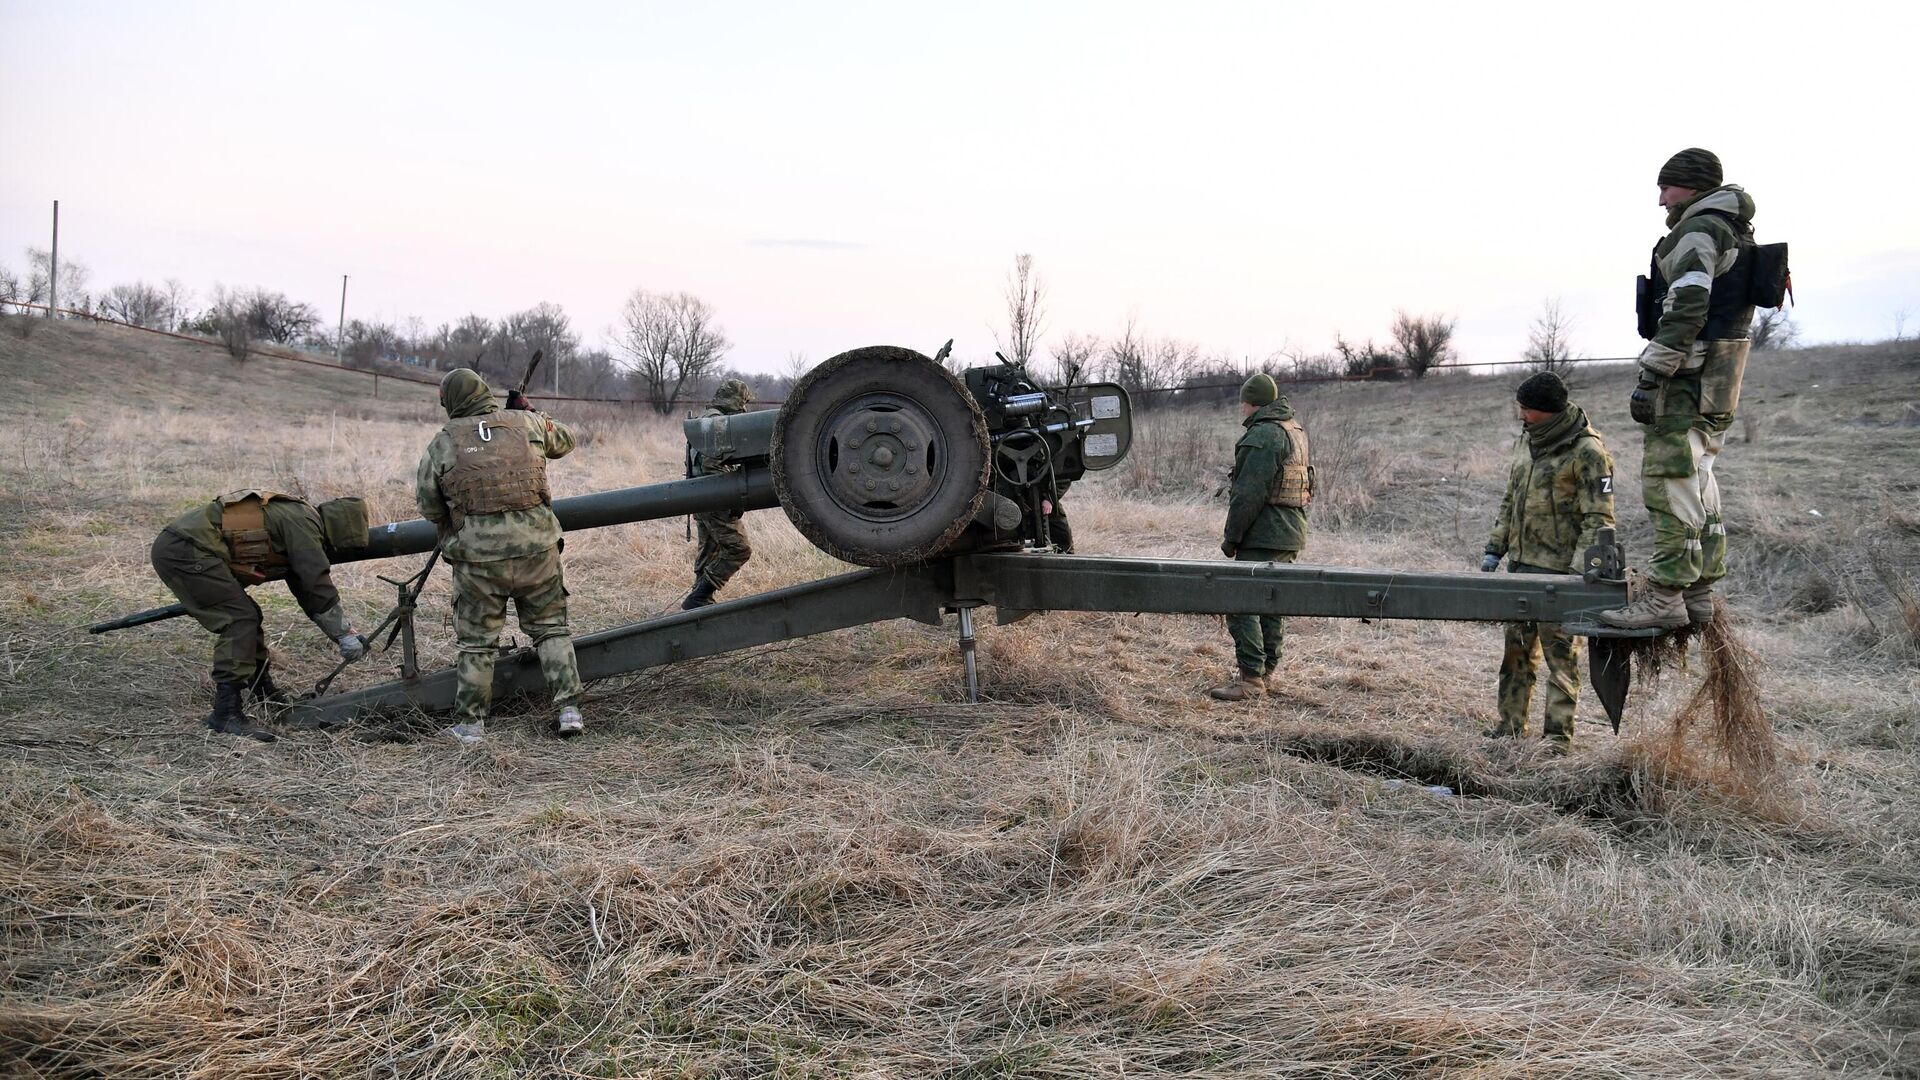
{"points": [[1229, 548], [518, 400], [1489, 563], [1640, 404], [353, 646]]}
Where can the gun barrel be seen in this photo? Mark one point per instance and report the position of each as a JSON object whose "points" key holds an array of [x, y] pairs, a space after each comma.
{"points": [[747, 489], [138, 618]]}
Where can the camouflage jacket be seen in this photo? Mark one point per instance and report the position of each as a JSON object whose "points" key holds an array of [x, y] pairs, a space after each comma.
{"points": [[1257, 457], [490, 537], [293, 528], [1704, 238], [1559, 495], [710, 466]]}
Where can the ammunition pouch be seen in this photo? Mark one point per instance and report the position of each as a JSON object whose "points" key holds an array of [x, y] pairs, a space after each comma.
{"points": [[343, 523], [495, 466], [243, 528]]}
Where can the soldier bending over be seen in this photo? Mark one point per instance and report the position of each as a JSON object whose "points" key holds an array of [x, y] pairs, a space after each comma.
{"points": [[723, 534], [210, 556]]}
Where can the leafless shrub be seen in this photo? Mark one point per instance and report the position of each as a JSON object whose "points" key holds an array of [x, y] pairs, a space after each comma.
{"points": [[1549, 346], [1773, 328], [1423, 341]]}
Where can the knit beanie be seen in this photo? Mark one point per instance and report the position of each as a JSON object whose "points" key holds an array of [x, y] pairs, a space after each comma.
{"points": [[1544, 392], [1259, 389], [1692, 168]]}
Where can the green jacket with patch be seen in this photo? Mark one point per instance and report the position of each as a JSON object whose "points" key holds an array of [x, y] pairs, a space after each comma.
{"points": [[1559, 495], [1252, 522]]}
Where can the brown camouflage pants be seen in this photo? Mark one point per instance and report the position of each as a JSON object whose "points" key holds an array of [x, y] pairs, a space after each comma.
{"points": [[536, 585], [723, 547], [214, 597], [1518, 667]]}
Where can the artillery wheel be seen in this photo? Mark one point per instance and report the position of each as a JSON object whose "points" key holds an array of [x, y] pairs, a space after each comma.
{"points": [[880, 456]]}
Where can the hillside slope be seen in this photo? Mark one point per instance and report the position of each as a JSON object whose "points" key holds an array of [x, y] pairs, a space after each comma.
{"points": [[812, 860]]}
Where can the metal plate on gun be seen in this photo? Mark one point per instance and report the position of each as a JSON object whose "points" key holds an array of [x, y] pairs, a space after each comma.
{"points": [[1106, 406], [1103, 445]]}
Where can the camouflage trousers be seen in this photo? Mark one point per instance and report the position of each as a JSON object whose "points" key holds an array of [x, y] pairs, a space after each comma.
{"points": [[1257, 638], [536, 585], [215, 598], [1518, 667], [1677, 481], [723, 547]]}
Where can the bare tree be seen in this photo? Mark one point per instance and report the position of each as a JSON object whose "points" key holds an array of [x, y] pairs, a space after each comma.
{"points": [[1125, 360], [10, 286], [1366, 360], [543, 327], [1549, 339], [670, 341], [73, 280], [1422, 341], [1073, 357], [1026, 297], [1900, 318], [179, 300], [1773, 328], [138, 304]]}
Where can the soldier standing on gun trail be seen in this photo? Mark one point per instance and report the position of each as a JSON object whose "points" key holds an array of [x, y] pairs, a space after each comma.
{"points": [[723, 535], [483, 483], [210, 556], [1689, 385], [1559, 496], [1272, 484]]}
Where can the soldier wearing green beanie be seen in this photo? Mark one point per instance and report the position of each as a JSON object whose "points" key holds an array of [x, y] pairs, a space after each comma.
{"points": [[1266, 522], [1696, 316]]}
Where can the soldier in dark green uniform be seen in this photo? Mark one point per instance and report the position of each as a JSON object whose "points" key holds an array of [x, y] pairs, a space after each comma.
{"points": [[1689, 387], [483, 481], [211, 555], [1559, 496], [1272, 485], [723, 535]]}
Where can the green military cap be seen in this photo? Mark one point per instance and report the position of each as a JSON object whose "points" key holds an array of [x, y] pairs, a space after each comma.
{"points": [[1259, 389]]}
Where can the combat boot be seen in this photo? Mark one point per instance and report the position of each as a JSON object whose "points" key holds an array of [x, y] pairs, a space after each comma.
{"points": [[701, 596], [570, 724], [1699, 600], [1242, 687], [229, 718], [1656, 608]]}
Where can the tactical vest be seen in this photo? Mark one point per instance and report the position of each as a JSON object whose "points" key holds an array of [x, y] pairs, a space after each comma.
{"points": [[1757, 278], [243, 528], [1292, 485], [495, 466]]}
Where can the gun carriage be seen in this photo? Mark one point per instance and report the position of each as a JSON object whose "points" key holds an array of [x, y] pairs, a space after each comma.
{"points": [[938, 487]]}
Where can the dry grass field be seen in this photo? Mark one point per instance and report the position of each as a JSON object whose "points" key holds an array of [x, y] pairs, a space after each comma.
{"points": [[815, 861]]}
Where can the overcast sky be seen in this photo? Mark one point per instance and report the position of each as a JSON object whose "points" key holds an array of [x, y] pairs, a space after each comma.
{"points": [[1244, 176]]}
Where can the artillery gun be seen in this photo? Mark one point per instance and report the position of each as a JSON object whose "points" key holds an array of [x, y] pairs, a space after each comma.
{"points": [[937, 485]]}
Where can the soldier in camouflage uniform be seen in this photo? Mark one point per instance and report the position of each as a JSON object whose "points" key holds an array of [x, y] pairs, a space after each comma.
{"points": [[1689, 385], [483, 482], [1559, 496], [723, 535], [1266, 522], [212, 554]]}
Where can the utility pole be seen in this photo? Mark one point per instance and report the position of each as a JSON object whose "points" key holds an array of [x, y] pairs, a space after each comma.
{"points": [[53, 264], [340, 334]]}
